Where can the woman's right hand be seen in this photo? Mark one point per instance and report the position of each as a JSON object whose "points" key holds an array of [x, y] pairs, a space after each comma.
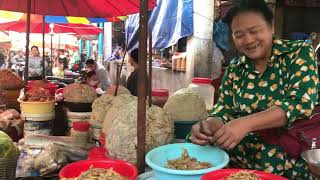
{"points": [[210, 126]]}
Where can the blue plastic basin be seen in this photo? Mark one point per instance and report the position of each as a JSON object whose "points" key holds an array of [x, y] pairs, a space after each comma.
{"points": [[157, 159]]}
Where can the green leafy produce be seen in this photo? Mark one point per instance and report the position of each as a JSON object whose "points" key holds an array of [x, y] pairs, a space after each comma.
{"points": [[7, 147]]}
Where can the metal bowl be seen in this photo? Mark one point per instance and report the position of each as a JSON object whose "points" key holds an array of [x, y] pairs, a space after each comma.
{"points": [[312, 157]]}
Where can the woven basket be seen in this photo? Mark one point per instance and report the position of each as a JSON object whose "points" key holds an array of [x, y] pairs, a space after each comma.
{"points": [[8, 168]]}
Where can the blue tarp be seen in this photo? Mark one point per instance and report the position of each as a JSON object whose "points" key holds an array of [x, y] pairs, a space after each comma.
{"points": [[169, 21]]}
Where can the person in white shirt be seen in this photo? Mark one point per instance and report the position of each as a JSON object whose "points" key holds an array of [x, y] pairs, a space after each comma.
{"points": [[104, 80], [35, 64]]}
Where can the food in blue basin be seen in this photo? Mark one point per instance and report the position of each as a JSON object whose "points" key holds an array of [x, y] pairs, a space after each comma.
{"points": [[157, 159]]}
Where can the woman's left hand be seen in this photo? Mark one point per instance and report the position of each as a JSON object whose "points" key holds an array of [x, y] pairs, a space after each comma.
{"points": [[230, 134]]}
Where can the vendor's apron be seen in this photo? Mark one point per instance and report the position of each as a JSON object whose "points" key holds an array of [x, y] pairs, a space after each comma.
{"points": [[296, 139]]}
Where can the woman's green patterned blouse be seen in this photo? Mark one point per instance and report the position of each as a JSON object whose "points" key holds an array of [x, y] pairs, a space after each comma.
{"points": [[289, 81]]}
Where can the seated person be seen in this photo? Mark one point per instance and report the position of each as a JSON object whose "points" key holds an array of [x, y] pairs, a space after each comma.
{"points": [[58, 70]]}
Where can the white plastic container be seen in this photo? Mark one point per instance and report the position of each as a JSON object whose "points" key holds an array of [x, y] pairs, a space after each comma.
{"points": [[205, 89], [38, 123]]}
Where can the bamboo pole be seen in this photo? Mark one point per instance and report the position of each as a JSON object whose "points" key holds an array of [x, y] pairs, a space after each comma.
{"points": [[150, 69], [119, 72], [52, 61], [26, 68], [142, 95], [43, 46]]}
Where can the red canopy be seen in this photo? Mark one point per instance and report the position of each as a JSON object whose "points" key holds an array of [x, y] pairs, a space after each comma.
{"points": [[36, 27], [81, 8]]}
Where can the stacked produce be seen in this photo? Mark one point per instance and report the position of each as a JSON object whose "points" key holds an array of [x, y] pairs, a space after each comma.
{"points": [[9, 80], [186, 105], [121, 136], [99, 108], [7, 147], [38, 108], [38, 94], [10, 85], [79, 93], [116, 106], [78, 99], [121, 90]]}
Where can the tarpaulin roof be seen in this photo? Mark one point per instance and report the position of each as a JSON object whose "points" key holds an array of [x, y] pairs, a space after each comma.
{"points": [[79, 8], [169, 21]]}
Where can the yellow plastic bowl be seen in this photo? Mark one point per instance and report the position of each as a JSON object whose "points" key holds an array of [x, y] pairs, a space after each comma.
{"points": [[37, 107]]}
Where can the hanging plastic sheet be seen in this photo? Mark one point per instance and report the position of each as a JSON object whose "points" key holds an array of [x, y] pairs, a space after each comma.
{"points": [[169, 21], [221, 35]]}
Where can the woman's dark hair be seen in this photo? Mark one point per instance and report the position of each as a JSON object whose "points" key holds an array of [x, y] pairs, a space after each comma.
{"points": [[90, 74], [134, 54], [90, 61], [239, 6], [35, 47], [64, 61]]}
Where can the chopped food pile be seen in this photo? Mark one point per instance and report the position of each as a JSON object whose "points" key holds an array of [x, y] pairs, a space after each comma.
{"points": [[79, 93], [99, 174], [9, 80], [38, 94], [243, 175], [185, 162]]}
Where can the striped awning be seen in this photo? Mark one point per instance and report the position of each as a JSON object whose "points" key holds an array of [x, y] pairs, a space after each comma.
{"points": [[81, 20], [15, 16]]}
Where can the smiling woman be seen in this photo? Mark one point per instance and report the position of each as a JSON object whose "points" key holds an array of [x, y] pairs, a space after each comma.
{"points": [[272, 85]]}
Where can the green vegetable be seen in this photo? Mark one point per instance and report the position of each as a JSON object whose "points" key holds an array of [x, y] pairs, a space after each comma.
{"points": [[7, 147]]}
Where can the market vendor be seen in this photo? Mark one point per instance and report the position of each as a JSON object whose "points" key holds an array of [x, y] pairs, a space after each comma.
{"points": [[92, 79], [132, 82], [104, 80], [35, 64], [271, 86]]}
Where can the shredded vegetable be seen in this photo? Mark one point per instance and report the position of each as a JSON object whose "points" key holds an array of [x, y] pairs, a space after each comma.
{"points": [[185, 162], [99, 174], [243, 175]]}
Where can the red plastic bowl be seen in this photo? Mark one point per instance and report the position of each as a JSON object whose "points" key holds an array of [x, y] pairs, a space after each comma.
{"points": [[74, 169], [224, 173]]}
